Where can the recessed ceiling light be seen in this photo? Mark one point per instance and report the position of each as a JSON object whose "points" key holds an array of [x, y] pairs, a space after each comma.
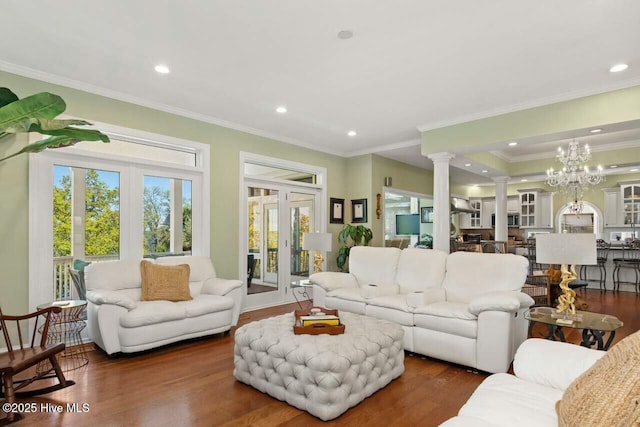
{"points": [[352, 133], [467, 164], [345, 34], [524, 180], [618, 67], [633, 170], [595, 130], [613, 166], [162, 69], [281, 109], [513, 143], [484, 171]]}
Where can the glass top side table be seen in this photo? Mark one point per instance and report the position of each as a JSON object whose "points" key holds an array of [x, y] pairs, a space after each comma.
{"points": [[594, 325], [67, 327]]}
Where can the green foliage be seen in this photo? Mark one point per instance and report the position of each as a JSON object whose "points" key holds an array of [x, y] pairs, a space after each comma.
{"points": [[352, 235], [36, 113], [102, 217], [156, 209]]}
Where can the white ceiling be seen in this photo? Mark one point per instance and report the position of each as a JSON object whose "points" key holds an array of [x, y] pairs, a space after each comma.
{"points": [[410, 65]]}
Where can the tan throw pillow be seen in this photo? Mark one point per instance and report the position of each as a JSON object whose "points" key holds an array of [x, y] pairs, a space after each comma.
{"points": [[608, 393], [165, 282]]}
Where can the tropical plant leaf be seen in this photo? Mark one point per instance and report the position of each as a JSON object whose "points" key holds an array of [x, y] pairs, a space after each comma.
{"points": [[46, 124], [51, 142], [19, 115], [6, 96], [75, 133]]}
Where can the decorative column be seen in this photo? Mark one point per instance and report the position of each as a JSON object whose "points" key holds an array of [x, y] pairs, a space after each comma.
{"points": [[501, 230], [441, 201]]}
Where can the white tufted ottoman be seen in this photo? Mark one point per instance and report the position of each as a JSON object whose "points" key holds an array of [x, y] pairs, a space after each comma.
{"points": [[322, 374]]}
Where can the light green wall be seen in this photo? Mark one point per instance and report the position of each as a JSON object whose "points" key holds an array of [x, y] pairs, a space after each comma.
{"points": [[14, 250], [582, 113], [225, 143], [405, 177]]}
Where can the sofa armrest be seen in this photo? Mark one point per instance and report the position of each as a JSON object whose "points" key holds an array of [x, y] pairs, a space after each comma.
{"points": [[510, 301], [553, 363], [417, 299], [219, 286], [106, 296], [373, 291], [331, 280]]}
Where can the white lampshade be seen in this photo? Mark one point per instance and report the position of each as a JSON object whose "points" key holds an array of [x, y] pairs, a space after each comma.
{"points": [[570, 249], [320, 242]]}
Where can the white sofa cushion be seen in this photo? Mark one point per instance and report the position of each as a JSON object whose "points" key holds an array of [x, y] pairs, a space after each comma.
{"points": [[505, 400], [351, 294], [472, 274], [397, 302], [151, 312], [419, 269], [375, 265], [553, 363], [120, 274], [452, 310], [374, 291]]}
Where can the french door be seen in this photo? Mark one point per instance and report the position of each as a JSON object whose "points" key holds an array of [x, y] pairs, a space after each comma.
{"points": [[277, 216]]}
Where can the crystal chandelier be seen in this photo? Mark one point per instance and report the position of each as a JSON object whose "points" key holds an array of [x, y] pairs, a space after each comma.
{"points": [[575, 177]]}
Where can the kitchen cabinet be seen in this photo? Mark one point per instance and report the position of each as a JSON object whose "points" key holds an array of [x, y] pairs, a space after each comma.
{"points": [[488, 209], [622, 205], [612, 204], [545, 211], [474, 219], [536, 209], [630, 203], [512, 204]]}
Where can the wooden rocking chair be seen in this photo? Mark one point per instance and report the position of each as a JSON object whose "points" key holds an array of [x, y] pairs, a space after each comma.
{"points": [[28, 355]]}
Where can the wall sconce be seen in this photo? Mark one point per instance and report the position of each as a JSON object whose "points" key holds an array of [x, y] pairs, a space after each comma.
{"points": [[387, 181], [378, 208]]}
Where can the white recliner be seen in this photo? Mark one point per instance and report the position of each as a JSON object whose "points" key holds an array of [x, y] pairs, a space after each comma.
{"points": [[118, 321], [465, 308]]}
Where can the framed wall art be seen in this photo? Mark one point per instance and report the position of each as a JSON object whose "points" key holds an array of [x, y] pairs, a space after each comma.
{"points": [[359, 210], [336, 214], [426, 215]]}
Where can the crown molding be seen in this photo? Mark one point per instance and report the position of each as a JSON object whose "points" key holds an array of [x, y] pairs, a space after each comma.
{"points": [[566, 96], [120, 96], [551, 154]]}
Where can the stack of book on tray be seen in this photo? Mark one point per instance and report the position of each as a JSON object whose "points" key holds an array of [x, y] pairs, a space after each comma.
{"points": [[319, 318]]}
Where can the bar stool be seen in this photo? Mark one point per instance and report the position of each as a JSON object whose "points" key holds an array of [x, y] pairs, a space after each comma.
{"points": [[498, 247], [602, 256], [630, 260]]}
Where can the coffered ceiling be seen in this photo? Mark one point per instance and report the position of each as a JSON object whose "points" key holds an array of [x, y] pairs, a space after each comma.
{"points": [[409, 65]]}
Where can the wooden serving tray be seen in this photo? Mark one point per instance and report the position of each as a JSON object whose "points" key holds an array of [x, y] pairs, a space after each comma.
{"points": [[317, 328]]}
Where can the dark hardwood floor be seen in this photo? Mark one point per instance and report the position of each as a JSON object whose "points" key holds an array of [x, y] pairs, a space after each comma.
{"points": [[191, 384]]}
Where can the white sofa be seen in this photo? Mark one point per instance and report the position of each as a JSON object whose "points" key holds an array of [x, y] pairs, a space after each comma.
{"points": [[118, 321], [543, 370], [464, 308]]}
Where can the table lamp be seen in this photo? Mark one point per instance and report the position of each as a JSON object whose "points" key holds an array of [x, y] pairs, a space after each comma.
{"points": [[319, 243], [568, 250]]}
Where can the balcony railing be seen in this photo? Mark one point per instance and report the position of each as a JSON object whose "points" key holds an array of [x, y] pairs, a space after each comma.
{"points": [[63, 286]]}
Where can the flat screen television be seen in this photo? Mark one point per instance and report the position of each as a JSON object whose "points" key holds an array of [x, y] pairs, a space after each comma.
{"points": [[408, 224]]}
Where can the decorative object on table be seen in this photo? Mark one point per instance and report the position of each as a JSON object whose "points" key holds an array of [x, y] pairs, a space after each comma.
{"points": [[575, 177], [336, 215], [318, 243], [352, 235], [359, 210], [36, 113], [426, 215], [568, 250], [317, 321]]}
